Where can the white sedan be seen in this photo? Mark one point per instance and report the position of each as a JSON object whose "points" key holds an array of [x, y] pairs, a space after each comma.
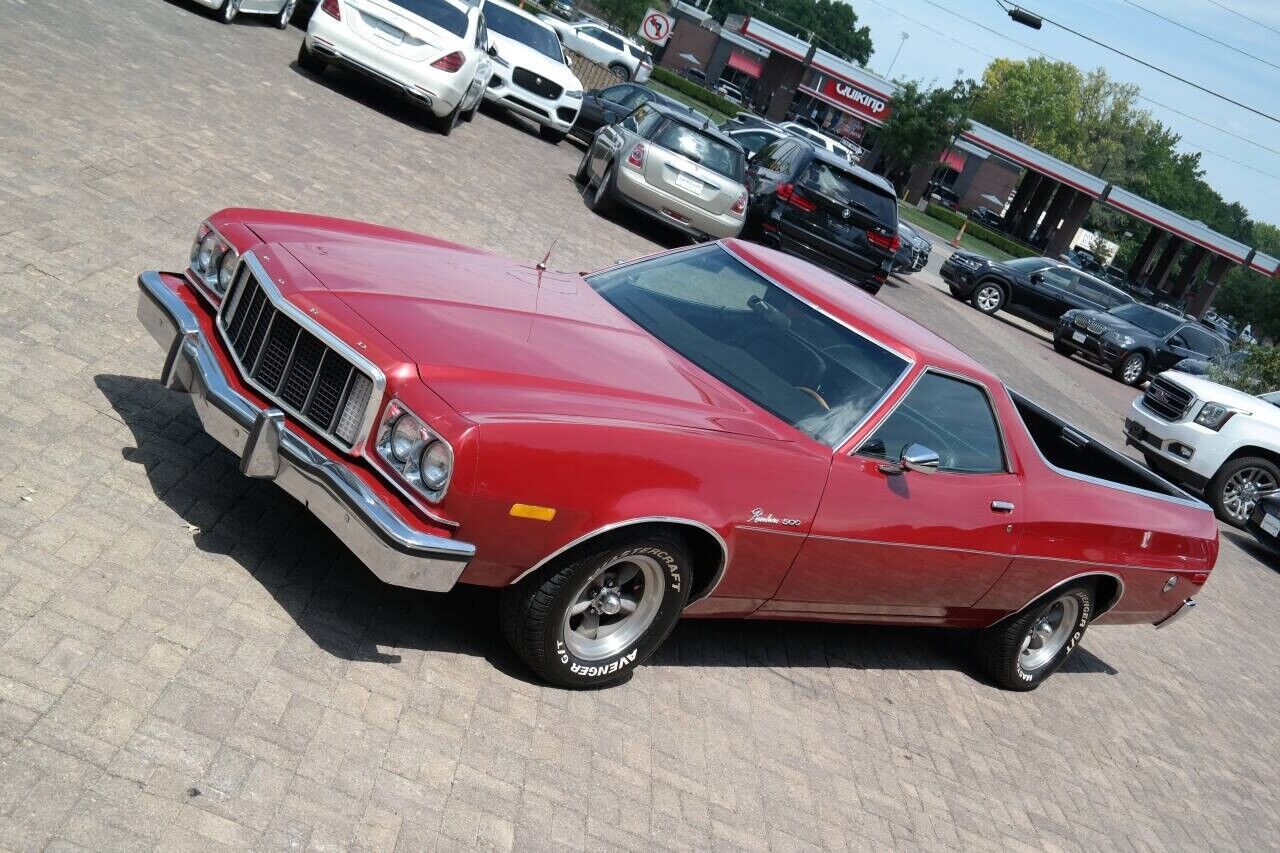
{"points": [[531, 75], [436, 52], [282, 10]]}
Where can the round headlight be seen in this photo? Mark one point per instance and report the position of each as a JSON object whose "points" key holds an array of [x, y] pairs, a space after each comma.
{"points": [[405, 436], [434, 468], [206, 257], [226, 270]]}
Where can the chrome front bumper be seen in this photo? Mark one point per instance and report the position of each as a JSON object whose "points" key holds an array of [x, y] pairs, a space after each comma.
{"points": [[395, 551]]}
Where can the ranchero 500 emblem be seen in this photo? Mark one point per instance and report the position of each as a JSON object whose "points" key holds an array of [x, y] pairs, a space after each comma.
{"points": [[759, 516]]}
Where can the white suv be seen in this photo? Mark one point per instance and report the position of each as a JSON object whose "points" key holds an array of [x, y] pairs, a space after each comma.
{"points": [[1210, 437], [849, 152], [435, 51], [626, 59], [531, 73]]}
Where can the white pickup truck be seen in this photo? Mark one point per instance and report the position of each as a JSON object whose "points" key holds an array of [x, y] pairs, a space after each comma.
{"points": [[1210, 437]]}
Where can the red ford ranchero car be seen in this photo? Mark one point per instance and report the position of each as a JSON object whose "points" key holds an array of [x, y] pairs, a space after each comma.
{"points": [[717, 431]]}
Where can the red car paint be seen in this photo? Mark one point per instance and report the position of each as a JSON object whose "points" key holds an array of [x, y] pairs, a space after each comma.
{"points": [[552, 397]]}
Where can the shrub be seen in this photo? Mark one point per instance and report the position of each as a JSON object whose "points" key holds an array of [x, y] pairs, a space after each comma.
{"points": [[698, 93], [995, 238], [1257, 373]]}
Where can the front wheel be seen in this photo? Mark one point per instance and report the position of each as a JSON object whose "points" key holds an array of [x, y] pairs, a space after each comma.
{"points": [[591, 618], [228, 11], [1024, 650], [1131, 368], [620, 71], [286, 14], [987, 297], [583, 175], [1239, 485]]}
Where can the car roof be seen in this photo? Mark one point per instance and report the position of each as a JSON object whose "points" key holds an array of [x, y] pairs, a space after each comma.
{"points": [[864, 175], [859, 309]]}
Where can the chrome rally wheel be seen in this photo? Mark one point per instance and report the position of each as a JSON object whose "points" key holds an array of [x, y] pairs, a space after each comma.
{"points": [[1024, 649], [1049, 633], [614, 607]]}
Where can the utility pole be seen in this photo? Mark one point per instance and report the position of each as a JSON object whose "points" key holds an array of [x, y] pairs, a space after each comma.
{"points": [[896, 53]]}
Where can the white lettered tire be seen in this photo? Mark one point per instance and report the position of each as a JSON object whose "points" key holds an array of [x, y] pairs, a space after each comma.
{"points": [[592, 616], [1020, 652]]}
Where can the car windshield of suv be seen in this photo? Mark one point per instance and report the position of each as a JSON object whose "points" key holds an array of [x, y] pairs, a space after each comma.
{"points": [[1148, 319], [519, 28], [1027, 265], [845, 189], [784, 355], [701, 149], [439, 12]]}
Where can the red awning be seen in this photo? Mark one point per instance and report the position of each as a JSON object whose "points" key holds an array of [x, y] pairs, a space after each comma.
{"points": [[750, 65], [952, 159]]}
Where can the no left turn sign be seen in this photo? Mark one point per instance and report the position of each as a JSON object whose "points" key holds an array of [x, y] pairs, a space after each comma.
{"points": [[656, 27]]}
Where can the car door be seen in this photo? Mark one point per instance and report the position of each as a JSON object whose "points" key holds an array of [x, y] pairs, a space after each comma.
{"points": [[618, 100], [1045, 293], [911, 545], [1086, 293], [1190, 341]]}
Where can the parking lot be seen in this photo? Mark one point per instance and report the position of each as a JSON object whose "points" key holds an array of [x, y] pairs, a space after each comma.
{"points": [[189, 660]]}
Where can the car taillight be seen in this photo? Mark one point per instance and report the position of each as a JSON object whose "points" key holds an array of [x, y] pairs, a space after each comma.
{"points": [[636, 157], [450, 62], [332, 9], [740, 205], [787, 193], [880, 241]]}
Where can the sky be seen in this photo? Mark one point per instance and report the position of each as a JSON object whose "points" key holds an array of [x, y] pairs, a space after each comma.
{"points": [[942, 46]]}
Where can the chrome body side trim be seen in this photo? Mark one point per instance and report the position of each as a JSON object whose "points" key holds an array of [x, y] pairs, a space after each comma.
{"points": [[1060, 584], [652, 519], [392, 548], [250, 265]]}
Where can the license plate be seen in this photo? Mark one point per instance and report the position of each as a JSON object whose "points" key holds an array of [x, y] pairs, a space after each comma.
{"points": [[386, 31], [1271, 524], [1079, 337], [688, 183]]}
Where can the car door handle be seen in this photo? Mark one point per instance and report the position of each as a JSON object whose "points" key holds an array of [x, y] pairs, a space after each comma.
{"points": [[1001, 506]]}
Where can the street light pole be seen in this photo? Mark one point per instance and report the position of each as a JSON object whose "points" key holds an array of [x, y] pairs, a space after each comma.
{"points": [[905, 36]]}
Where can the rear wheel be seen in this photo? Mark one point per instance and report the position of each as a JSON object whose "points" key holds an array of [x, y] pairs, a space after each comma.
{"points": [[309, 62], [620, 71], [1131, 368], [988, 297], [445, 124], [228, 11], [589, 619], [550, 134], [1239, 485], [1025, 649]]}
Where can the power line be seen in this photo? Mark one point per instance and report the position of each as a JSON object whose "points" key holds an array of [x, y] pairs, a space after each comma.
{"points": [[1204, 36], [1256, 23]]}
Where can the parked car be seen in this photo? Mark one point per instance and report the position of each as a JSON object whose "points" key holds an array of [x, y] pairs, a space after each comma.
{"points": [[696, 75], [671, 166], [626, 59], [425, 400], [944, 196], [986, 216], [1039, 289], [1199, 366], [1135, 340], [746, 120], [434, 51], [606, 106], [280, 10], [564, 9], [752, 139], [729, 91], [1213, 438], [913, 253], [821, 140], [1083, 259], [531, 74], [1264, 522], [810, 202]]}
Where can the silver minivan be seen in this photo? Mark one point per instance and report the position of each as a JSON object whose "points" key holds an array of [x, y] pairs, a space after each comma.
{"points": [[675, 167]]}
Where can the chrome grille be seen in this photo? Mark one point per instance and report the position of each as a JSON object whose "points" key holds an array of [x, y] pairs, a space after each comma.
{"points": [[1081, 322], [526, 79], [1095, 328], [1167, 400], [291, 366]]}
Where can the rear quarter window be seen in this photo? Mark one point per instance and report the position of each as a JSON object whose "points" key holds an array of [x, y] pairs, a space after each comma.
{"points": [[847, 189]]}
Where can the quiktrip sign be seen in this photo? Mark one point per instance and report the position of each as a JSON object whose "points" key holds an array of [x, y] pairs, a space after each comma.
{"points": [[857, 100]]}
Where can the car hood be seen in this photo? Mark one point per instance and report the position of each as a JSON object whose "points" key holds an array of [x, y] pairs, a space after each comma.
{"points": [[1215, 392], [497, 339], [520, 54]]}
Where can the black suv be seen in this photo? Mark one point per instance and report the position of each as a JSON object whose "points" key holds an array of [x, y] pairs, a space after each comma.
{"points": [[816, 205], [1039, 289], [1134, 341]]}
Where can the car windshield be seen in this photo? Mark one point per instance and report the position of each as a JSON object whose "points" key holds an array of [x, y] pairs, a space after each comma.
{"points": [[700, 148], [1147, 319], [1027, 264], [784, 355], [516, 27], [439, 12], [845, 189]]}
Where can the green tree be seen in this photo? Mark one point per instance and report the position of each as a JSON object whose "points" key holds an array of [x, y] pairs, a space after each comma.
{"points": [[922, 122]]}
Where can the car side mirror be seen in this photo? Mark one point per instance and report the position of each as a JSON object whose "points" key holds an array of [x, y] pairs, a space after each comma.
{"points": [[492, 51], [914, 457], [1036, 278]]}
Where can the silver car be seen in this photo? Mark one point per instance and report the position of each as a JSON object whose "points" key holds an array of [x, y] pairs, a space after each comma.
{"points": [[677, 168], [280, 10]]}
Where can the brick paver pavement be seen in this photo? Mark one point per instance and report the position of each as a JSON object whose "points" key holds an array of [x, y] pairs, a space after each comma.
{"points": [[187, 660]]}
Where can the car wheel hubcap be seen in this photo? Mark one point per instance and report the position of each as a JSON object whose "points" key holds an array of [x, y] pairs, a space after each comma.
{"points": [[1049, 633], [1132, 369], [614, 608], [1244, 490], [988, 299]]}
